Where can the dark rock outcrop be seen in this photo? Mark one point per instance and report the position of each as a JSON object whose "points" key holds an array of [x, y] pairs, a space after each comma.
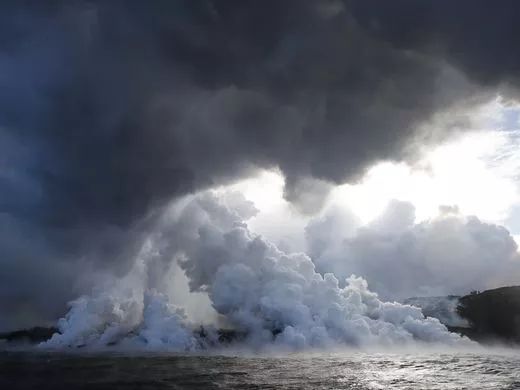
{"points": [[32, 335], [492, 314]]}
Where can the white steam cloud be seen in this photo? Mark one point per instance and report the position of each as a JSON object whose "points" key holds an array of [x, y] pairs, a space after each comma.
{"points": [[271, 296], [448, 254]]}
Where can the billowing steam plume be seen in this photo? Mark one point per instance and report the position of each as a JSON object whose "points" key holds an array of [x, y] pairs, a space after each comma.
{"points": [[271, 296]]}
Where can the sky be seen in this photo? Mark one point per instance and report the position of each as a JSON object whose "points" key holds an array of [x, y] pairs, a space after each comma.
{"points": [[375, 139], [475, 172]]}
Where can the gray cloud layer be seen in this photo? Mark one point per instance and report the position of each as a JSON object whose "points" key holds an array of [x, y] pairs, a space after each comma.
{"points": [[110, 109]]}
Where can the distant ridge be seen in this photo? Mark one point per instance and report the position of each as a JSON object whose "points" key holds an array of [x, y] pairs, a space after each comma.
{"points": [[493, 314], [484, 316], [31, 335]]}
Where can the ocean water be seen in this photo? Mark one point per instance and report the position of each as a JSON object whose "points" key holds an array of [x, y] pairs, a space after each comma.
{"points": [[352, 370]]}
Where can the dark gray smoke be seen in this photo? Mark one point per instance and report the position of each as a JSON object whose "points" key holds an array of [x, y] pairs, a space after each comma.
{"points": [[110, 109]]}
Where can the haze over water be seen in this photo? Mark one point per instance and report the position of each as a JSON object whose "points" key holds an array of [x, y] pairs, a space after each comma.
{"points": [[351, 370]]}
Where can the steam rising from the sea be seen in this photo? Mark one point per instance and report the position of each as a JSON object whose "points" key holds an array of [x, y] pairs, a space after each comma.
{"points": [[271, 296]]}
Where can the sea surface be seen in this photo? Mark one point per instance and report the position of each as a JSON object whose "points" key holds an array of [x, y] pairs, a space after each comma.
{"points": [[352, 370]]}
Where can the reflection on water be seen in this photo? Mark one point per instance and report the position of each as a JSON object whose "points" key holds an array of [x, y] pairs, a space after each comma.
{"points": [[25, 370]]}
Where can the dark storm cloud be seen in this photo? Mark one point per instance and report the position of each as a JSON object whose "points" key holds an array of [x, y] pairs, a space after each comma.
{"points": [[110, 109], [479, 36]]}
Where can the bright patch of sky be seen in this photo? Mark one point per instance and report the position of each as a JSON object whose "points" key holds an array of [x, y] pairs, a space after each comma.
{"points": [[476, 173]]}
